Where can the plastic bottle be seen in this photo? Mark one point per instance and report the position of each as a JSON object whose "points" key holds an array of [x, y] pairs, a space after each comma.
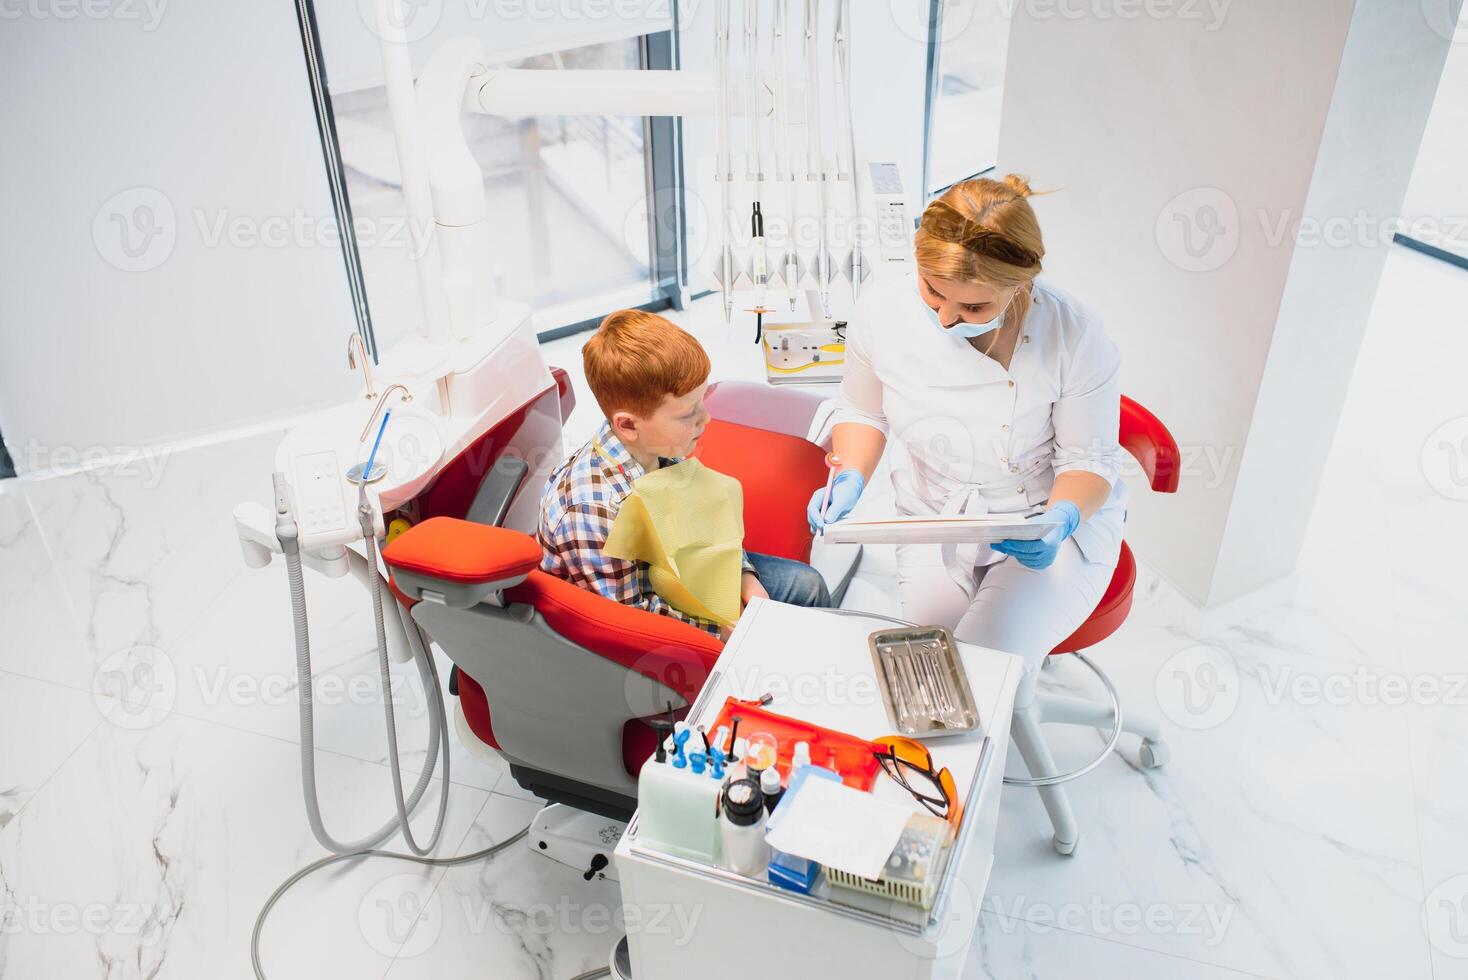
{"points": [[743, 828], [801, 756], [769, 785]]}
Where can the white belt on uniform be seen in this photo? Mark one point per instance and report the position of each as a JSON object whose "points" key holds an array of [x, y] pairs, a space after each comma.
{"points": [[960, 559]]}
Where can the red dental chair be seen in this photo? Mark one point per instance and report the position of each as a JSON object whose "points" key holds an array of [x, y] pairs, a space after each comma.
{"points": [[562, 682], [1144, 436]]}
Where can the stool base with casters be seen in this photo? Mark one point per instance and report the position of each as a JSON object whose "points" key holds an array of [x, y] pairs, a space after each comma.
{"points": [[1031, 710]]}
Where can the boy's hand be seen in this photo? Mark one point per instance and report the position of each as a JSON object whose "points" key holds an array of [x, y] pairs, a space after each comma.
{"points": [[750, 588]]}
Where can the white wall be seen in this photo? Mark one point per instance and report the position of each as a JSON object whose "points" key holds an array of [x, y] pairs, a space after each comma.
{"points": [[201, 113], [1383, 93], [1154, 130], [1436, 209]]}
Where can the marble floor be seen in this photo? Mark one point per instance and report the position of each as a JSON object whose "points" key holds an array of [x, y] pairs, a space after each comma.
{"points": [[1313, 821]]}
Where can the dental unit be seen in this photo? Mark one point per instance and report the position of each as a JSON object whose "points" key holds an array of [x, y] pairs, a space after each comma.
{"points": [[462, 419]]}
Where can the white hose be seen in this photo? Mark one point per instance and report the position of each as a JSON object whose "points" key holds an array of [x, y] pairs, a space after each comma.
{"points": [[438, 744], [438, 723]]}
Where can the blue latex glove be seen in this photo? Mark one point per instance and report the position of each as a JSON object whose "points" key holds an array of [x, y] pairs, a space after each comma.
{"points": [[1040, 553], [845, 492]]}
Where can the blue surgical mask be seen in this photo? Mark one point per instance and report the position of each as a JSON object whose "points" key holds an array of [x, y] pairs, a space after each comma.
{"points": [[962, 329]]}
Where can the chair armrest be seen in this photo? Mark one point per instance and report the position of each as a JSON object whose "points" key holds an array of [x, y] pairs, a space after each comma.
{"points": [[459, 563]]}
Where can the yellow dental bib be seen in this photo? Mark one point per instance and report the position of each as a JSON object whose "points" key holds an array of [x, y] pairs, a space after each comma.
{"points": [[687, 522]]}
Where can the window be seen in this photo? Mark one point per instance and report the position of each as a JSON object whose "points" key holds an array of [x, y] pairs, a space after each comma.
{"points": [[565, 195], [968, 90]]}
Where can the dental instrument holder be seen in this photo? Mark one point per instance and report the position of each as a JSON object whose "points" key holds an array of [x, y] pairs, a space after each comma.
{"points": [[677, 810], [922, 681], [805, 352], [854, 758], [914, 868]]}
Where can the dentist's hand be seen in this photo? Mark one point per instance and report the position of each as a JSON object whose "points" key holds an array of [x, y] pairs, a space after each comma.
{"points": [[1040, 553], [845, 492]]}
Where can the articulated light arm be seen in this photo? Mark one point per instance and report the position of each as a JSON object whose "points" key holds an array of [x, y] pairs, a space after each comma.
{"points": [[398, 73]]}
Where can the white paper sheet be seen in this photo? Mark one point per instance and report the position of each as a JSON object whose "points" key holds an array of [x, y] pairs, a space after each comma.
{"points": [[839, 827]]}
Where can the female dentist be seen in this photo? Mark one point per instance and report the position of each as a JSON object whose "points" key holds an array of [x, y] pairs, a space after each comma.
{"points": [[1004, 395]]}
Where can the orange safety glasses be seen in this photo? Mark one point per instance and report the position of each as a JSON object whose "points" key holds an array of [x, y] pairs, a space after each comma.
{"points": [[909, 762]]}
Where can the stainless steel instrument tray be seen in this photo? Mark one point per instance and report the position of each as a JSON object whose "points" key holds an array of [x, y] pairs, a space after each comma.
{"points": [[922, 681]]}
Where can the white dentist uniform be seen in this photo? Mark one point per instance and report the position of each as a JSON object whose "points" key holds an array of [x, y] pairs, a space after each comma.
{"points": [[973, 438]]}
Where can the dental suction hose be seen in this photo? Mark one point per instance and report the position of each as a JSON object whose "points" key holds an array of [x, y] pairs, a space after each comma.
{"points": [[288, 534], [439, 737]]}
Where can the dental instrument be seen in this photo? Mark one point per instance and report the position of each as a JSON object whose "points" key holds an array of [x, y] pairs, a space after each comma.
{"points": [[369, 472], [725, 173], [845, 492], [407, 397], [833, 464], [758, 271], [759, 321], [815, 152], [754, 159], [662, 728], [784, 169], [357, 355], [846, 137]]}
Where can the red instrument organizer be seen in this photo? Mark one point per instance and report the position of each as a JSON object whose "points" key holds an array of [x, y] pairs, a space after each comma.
{"points": [[854, 758]]}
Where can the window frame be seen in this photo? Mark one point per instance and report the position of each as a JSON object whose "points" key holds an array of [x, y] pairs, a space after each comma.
{"points": [[667, 280]]}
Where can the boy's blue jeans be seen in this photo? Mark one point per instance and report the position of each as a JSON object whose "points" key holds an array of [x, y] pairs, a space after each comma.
{"points": [[789, 581]]}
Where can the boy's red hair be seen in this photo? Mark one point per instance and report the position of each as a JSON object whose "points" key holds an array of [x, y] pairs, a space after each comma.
{"points": [[636, 359]]}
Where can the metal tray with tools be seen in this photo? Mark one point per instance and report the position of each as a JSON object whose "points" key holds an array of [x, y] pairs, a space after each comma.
{"points": [[922, 681]]}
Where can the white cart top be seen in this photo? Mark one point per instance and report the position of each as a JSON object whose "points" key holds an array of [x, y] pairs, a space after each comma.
{"points": [[818, 666]]}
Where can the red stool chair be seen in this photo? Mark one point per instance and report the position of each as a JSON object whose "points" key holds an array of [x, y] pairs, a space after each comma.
{"points": [[1147, 439]]}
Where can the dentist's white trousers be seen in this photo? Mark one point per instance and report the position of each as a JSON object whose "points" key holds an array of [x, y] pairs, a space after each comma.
{"points": [[1016, 609]]}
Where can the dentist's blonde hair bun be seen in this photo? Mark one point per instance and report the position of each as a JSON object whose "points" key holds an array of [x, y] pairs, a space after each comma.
{"points": [[1018, 184]]}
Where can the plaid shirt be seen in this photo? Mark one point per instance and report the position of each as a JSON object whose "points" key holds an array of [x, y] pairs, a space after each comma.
{"points": [[576, 513]]}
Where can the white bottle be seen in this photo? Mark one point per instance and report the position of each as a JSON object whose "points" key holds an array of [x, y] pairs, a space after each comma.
{"points": [[743, 829], [801, 756]]}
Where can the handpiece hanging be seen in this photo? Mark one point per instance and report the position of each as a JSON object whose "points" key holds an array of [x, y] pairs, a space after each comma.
{"points": [[754, 161], [846, 141], [725, 174], [814, 152], [785, 168]]}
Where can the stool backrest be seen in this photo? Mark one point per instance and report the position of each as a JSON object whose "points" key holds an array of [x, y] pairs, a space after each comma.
{"points": [[1145, 437]]}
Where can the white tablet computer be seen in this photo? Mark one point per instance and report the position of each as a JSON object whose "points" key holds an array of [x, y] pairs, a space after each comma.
{"points": [[958, 529]]}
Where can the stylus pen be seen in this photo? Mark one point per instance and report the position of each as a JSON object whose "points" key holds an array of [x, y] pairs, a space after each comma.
{"points": [[833, 463]]}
